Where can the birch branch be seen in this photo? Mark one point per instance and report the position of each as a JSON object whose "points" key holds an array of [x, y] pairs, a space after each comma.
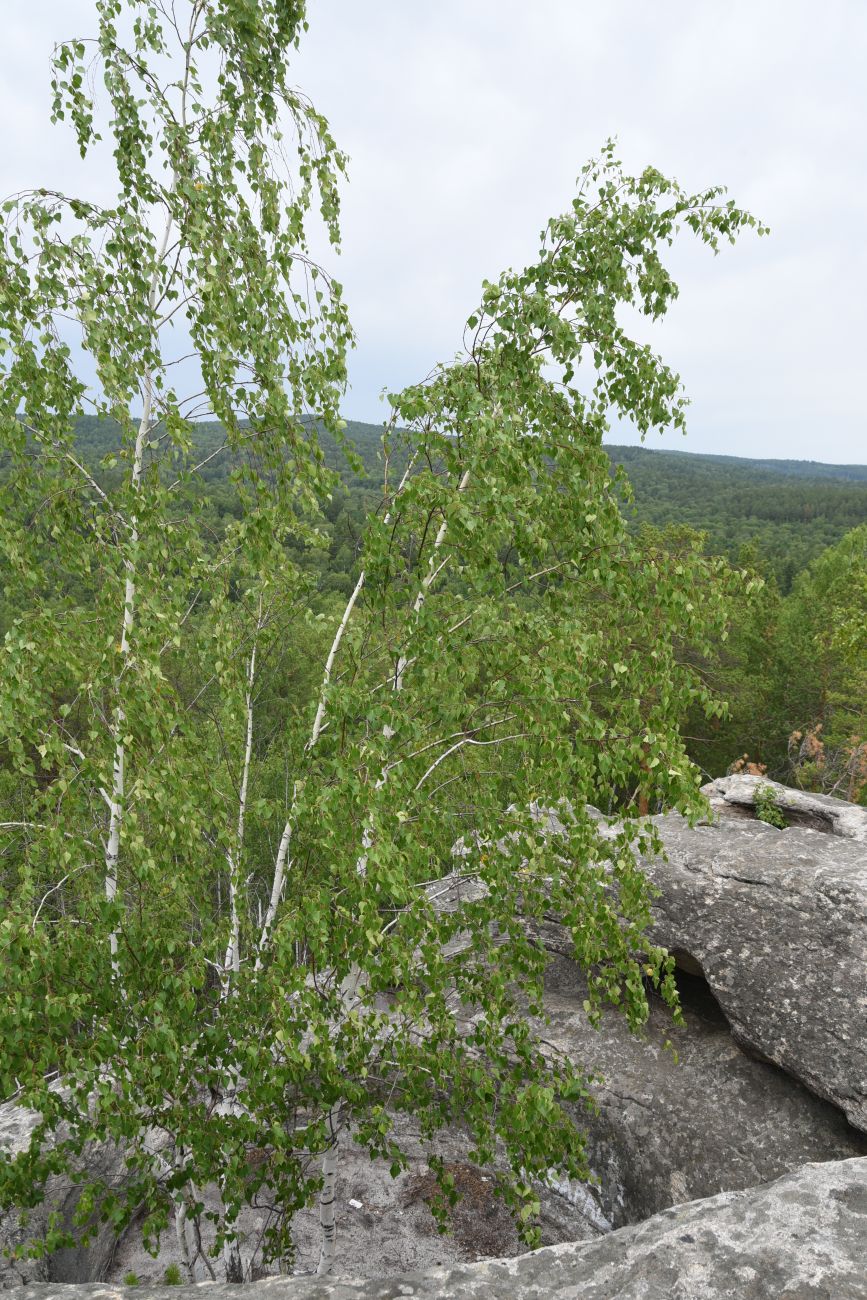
{"points": [[433, 570], [73, 749], [282, 860], [467, 740]]}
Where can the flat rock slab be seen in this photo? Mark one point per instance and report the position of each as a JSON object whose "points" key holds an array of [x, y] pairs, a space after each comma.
{"points": [[803, 1237], [777, 921], [736, 795]]}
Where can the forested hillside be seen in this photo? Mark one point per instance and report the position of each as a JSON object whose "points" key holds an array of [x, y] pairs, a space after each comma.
{"points": [[785, 512], [789, 510], [791, 669]]}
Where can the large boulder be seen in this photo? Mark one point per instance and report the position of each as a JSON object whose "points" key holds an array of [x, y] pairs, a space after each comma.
{"points": [[736, 796], [690, 1120], [777, 923], [803, 1237]]}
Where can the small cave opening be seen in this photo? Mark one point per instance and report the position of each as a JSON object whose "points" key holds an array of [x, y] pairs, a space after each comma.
{"points": [[696, 995]]}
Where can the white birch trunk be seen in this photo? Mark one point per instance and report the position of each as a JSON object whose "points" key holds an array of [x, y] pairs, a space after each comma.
{"points": [[282, 863], [232, 960], [183, 1241], [118, 782], [327, 1210], [327, 1226], [430, 576], [232, 1262], [330, 1160]]}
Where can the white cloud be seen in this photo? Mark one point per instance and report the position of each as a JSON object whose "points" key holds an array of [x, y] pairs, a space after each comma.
{"points": [[466, 122]]}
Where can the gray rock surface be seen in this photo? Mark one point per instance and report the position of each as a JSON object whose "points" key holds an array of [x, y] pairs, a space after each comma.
{"points": [[673, 1128], [777, 922], [736, 795], [384, 1224], [78, 1264], [803, 1237], [667, 1130], [16, 1125]]}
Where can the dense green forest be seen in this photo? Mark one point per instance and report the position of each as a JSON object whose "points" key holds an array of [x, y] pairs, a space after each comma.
{"points": [[780, 515], [788, 510], [794, 691]]}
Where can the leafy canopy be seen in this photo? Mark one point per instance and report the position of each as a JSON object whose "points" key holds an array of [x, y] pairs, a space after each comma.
{"points": [[235, 925]]}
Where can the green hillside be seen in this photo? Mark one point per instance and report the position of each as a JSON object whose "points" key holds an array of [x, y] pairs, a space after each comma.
{"points": [[789, 511]]}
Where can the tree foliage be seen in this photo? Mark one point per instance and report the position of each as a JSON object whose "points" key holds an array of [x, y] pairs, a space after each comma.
{"points": [[823, 640], [223, 931]]}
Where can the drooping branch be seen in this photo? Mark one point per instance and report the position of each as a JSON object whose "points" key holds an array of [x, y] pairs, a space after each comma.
{"points": [[282, 859]]}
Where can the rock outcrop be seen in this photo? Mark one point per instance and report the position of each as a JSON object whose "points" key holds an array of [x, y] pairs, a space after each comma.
{"points": [[673, 1128], [770, 929], [667, 1130], [71, 1264], [803, 1237], [16, 1126], [736, 796], [384, 1224], [777, 923]]}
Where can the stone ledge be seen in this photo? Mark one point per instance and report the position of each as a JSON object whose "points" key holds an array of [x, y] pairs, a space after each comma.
{"points": [[803, 1237]]}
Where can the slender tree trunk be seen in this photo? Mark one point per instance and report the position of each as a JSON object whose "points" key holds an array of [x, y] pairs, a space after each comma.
{"points": [[432, 571], [232, 960], [326, 1209], [118, 782], [327, 1226], [183, 1241], [282, 860]]}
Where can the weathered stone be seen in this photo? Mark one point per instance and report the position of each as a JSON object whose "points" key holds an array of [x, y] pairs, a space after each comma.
{"points": [[736, 796], [74, 1264], [384, 1224], [667, 1130], [777, 922], [16, 1126], [803, 1237], [672, 1129]]}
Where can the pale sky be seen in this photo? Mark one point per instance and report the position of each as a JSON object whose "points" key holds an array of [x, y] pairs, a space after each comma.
{"points": [[466, 122]]}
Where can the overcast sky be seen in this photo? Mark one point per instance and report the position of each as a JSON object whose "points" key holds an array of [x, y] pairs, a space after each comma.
{"points": [[466, 122]]}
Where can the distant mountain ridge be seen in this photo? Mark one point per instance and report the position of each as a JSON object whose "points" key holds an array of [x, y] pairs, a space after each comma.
{"points": [[366, 439], [784, 512], [809, 469]]}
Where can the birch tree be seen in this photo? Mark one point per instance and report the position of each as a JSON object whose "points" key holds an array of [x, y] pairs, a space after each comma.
{"points": [[224, 924]]}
